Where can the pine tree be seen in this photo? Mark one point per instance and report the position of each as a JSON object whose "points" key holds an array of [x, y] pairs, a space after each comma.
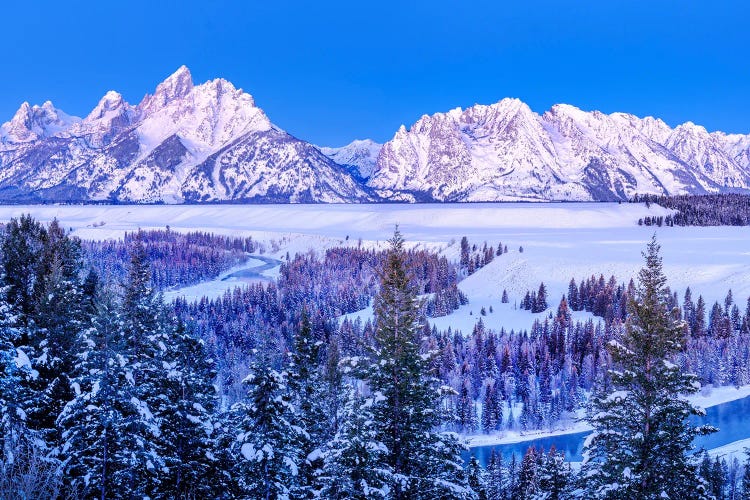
{"points": [[745, 487], [573, 295], [699, 329], [22, 247], [57, 317], [477, 478], [354, 460], [641, 439], [185, 412], [145, 335], [528, 475], [554, 476], [90, 424], [689, 309], [466, 413], [489, 420], [309, 397], [496, 477], [265, 450], [422, 463], [540, 304], [15, 369]]}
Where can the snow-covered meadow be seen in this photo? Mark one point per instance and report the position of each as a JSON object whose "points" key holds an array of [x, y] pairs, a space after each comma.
{"points": [[559, 240]]}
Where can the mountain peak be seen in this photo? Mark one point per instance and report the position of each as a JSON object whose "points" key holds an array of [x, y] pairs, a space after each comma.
{"points": [[22, 114], [175, 86], [360, 156], [182, 78], [111, 101], [30, 123]]}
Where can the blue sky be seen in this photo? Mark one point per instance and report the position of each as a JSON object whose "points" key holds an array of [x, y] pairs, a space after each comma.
{"points": [[330, 72]]}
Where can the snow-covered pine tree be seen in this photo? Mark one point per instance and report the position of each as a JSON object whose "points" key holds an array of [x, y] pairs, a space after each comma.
{"points": [[90, 424], [143, 352], [354, 465], [112, 442], [527, 486], [308, 388], [477, 478], [57, 318], [496, 477], [745, 481], [641, 439], [186, 414], [540, 304], [26, 469], [15, 368], [266, 449], [466, 413], [554, 477], [423, 462], [22, 246]]}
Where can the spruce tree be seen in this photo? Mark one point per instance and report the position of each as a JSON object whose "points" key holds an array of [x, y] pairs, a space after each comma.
{"points": [[641, 440], [145, 336], [745, 483], [185, 410], [554, 476], [15, 369], [58, 316], [22, 247], [112, 442], [308, 389], [90, 424], [354, 459], [496, 477], [477, 478], [528, 475], [266, 447], [422, 462]]}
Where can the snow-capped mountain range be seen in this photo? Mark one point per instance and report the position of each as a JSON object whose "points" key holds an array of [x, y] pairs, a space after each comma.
{"points": [[505, 151], [211, 143], [184, 143]]}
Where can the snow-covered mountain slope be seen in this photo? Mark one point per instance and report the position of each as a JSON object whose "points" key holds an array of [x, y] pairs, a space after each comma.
{"points": [[505, 151], [186, 142], [360, 156]]}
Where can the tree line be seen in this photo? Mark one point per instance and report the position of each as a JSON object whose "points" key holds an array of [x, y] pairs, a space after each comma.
{"points": [[176, 259], [725, 209]]}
